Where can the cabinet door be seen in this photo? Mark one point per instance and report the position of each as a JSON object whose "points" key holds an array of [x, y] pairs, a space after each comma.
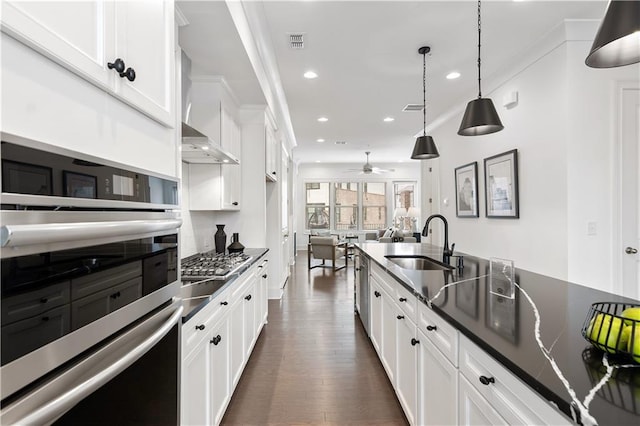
{"points": [[220, 373], [437, 386], [236, 337], [473, 409], [230, 137], [196, 376], [145, 41], [407, 348], [249, 301], [261, 291], [73, 34], [356, 281], [388, 346], [231, 186], [375, 314], [270, 154]]}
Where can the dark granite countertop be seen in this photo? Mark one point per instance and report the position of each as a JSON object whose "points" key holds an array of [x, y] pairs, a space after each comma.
{"points": [[504, 328], [193, 305]]}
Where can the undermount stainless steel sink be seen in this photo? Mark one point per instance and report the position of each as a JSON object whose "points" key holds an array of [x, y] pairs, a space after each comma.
{"points": [[421, 263], [195, 290]]}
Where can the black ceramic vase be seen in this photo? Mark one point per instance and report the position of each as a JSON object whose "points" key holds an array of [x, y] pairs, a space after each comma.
{"points": [[235, 246], [220, 239]]}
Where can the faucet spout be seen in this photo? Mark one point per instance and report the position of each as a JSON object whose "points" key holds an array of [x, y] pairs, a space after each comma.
{"points": [[446, 252]]}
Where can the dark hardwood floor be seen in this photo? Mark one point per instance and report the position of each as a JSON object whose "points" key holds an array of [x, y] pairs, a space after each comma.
{"points": [[313, 362]]}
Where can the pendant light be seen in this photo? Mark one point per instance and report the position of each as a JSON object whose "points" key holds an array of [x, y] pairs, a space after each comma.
{"points": [[480, 117], [425, 147], [618, 40]]}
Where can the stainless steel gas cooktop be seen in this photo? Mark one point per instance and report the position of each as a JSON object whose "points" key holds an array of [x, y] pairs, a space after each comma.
{"points": [[212, 266]]}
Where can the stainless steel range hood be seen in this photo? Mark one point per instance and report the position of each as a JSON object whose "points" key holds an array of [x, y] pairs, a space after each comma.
{"points": [[200, 148]]}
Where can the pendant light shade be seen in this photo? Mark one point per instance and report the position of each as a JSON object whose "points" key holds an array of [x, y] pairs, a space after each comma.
{"points": [[618, 40], [480, 116], [425, 147]]}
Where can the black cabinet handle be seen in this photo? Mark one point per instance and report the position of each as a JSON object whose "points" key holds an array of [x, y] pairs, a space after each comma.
{"points": [[225, 303], [264, 276], [115, 295], [216, 340], [432, 327], [273, 173], [414, 342], [117, 65], [403, 299], [235, 203], [376, 293], [248, 297], [45, 319], [487, 380], [158, 264], [200, 327], [357, 269], [130, 73], [400, 317], [44, 300]]}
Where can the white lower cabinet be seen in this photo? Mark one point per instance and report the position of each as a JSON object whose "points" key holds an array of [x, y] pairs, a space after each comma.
{"points": [[375, 313], [439, 375], [474, 409], [216, 344], [407, 349], [437, 386]]}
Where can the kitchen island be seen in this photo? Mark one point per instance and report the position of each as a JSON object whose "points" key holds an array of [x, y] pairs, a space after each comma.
{"points": [[505, 329]]}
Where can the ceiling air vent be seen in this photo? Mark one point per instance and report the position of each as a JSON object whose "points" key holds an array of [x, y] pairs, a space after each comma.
{"points": [[341, 142], [296, 41], [412, 108]]}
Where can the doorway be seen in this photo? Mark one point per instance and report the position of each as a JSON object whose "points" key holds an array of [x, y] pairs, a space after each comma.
{"points": [[627, 242]]}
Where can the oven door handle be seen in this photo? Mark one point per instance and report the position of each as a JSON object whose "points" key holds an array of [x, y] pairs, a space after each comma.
{"points": [[23, 411], [21, 235]]}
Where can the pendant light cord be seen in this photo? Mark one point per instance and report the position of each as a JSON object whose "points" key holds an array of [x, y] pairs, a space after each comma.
{"points": [[479, 29], [424, 94]]}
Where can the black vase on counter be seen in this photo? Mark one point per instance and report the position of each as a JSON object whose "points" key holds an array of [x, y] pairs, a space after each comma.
{"points": [[235, 246], [220, 239]]}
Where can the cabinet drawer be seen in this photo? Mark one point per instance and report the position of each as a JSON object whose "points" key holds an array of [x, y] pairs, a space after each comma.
{"points": [[441, 334], [386, 282], [407, 302], [21, 306], [24, 336], [215, 309], [97, 305], [508, 395], [240, 286], [89, 284]]}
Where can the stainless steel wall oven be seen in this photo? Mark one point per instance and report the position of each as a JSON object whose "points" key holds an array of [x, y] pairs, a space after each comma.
{"points": [[90, 316]]}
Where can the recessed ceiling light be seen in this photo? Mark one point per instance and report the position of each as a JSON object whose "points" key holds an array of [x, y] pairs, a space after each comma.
{"points": [[323, 119], [310, 75], [225, 161], [317, 161], [205, 148], [320, 140], [453, 75], [400, 161], [388, 119]]}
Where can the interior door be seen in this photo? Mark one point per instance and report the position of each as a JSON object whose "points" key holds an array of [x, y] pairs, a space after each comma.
{"points": [[630, 192]]}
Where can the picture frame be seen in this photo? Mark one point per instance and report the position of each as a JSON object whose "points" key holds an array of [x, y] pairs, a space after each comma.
{"points": [[466, 180], [79, 185], [501, 186]]}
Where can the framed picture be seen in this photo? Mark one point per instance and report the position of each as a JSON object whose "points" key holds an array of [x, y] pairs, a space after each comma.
{"points": [[79, 185], [467, 190], [501, 185]]}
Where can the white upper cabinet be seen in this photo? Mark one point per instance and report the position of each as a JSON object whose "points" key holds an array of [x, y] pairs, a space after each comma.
{"points": [[85, 37], [145, 41]]}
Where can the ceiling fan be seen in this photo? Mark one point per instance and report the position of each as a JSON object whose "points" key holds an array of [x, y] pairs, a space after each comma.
{"points": [[368, 169]]}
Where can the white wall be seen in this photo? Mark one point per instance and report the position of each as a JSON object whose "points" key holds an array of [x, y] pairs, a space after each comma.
{"points": [[335, 172], [563, 128]]}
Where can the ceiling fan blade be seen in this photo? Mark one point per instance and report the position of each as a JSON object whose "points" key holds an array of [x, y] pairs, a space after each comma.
{"points": [[378, 170]]}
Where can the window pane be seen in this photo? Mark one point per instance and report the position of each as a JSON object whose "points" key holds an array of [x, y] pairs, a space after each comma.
{"points": [[374, 202], [346, 205], [403, 195], [317, 205]]}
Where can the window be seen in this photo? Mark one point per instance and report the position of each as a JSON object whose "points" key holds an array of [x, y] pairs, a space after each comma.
{"points": [[403, 195], [346, 206], [374, 206], [317, 205]]}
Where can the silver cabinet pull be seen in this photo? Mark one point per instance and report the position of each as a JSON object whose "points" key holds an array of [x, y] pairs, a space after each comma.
{"points": [[631, 250]]}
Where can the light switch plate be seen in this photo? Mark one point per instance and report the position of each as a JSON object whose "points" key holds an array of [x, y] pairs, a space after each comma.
{"points": [[592, 228]]}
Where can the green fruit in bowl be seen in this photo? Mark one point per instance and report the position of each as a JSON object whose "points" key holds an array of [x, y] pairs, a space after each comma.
{"points": [[633, 346], [631, 313], [604, 330]]}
